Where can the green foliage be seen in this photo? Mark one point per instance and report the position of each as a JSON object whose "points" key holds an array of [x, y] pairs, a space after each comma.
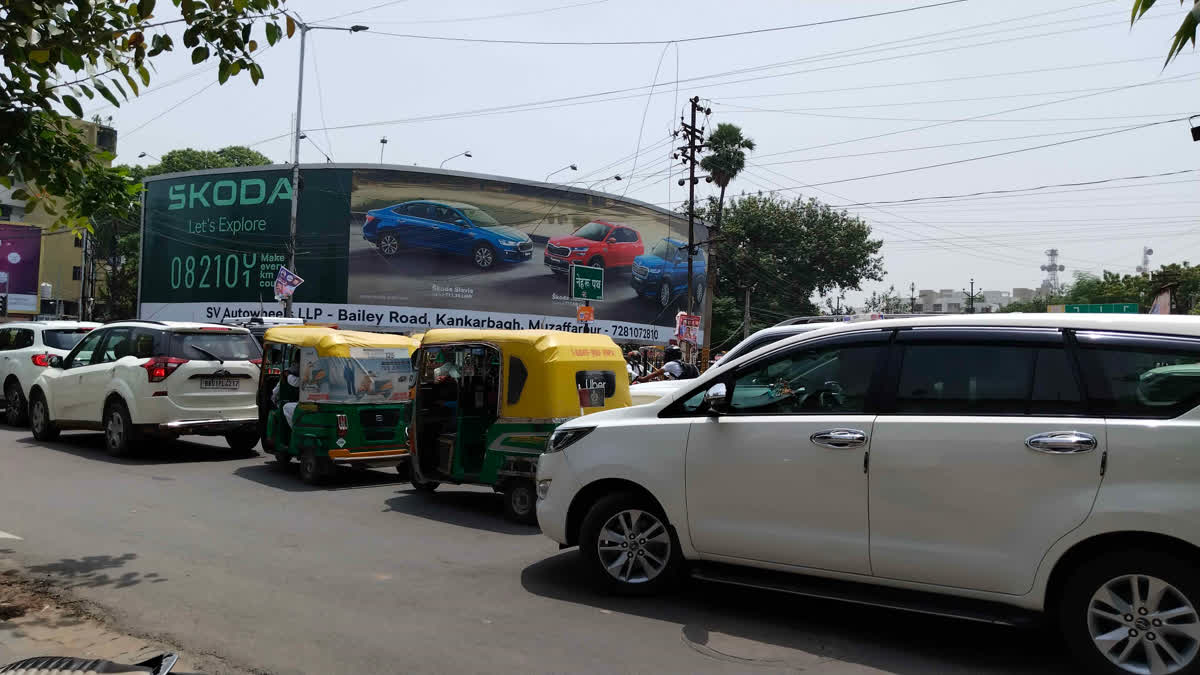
{"points": [[1184, 34], [1111, 287], [726, 156], [786, 250], [887, 302], [58, 52]]}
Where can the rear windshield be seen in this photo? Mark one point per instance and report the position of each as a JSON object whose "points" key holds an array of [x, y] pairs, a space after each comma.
{"points": [[216, 345], [64, 339]]}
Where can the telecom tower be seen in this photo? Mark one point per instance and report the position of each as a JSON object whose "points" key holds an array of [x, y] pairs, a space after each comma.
{"points": [[1144, 268], [1052, 268]]}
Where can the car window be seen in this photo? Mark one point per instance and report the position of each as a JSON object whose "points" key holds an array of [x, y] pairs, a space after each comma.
{"points": [[593, 231], [983, 379], [6, 338], [148, 343], [418, 210], [22, 338], [662, 250], [1131, 377], [626, 235], [214, 345], [747, 347], [479, 217], [402, 210], [63, 338], [119, 344], [820, 379], [83, 352], [443, 214]]}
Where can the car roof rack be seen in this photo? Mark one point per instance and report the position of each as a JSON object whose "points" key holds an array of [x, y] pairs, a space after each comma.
{"points": [[154, 321]]}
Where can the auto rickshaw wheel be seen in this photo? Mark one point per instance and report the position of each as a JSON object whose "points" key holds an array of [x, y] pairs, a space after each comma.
{"points": [[424, 485], [520, 501], [314, 470]]}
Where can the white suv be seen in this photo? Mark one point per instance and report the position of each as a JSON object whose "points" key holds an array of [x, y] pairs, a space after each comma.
{"points": [[159, 378], [25, 351], [983, 466]]}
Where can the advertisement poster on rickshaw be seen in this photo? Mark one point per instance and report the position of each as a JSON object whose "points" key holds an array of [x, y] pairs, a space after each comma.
{"points": [[368, 375]]}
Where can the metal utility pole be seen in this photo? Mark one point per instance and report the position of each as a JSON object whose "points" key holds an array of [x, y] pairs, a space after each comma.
{"points": [[746, 316], [971, 297], [912, 297], [304, 28], [695, 137]]}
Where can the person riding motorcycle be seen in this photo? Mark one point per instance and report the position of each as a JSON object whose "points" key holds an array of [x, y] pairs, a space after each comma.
{"points": [[674, 367]]}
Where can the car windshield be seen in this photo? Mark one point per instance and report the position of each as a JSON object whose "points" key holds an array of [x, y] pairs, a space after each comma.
{"points": [[65, 338], [592, 232], [663, 249], [479, 217], [212, 346]]}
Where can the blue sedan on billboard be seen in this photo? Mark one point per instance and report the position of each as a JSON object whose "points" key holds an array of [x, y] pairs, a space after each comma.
{"points": [[661, 274], [451, 227]]}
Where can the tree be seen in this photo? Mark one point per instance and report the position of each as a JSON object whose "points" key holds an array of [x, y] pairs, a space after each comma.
{"points": [[887, 302], [787, 251], [1186, 32], [56, 52], [726, 158], [116, 239]]}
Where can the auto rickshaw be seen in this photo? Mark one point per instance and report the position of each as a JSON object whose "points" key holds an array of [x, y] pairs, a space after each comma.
{"points": [[347, 393], [487, 400]]}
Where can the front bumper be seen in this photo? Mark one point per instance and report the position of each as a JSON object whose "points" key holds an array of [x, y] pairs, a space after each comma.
{"points": [[376, 458], [210, 427], [553, 508], [514, 255], [560, 264]]}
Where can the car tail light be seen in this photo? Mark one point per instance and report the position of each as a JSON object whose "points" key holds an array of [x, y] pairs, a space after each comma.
{"points": [[257, 362], [369, 220], [159, 367], [41, 360], [343, 425]]}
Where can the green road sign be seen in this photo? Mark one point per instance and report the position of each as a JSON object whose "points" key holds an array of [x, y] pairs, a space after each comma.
{"points": [[587, 283], [1106, 308]]}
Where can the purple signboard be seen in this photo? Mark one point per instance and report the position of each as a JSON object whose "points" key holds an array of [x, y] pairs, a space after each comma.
{"points": [[20, 260]]}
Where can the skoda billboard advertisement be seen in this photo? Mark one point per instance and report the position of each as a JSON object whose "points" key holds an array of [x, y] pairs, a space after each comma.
{"points": [[410, 249]]}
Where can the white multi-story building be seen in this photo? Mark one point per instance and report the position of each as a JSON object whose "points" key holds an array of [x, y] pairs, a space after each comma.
{"points": [[951, 301]]}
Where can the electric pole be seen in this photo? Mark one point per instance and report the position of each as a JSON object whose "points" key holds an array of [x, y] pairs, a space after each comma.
{"points": [[746, 316], [912, 297], [695, 142]]}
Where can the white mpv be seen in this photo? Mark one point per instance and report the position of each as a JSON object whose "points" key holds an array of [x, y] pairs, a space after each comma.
{"points": [[25, 351], [990, 467], [134, 379]]}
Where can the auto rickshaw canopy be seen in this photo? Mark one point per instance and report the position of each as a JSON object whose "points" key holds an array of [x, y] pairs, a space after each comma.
{"points": [[335, 342], [542, 369]]}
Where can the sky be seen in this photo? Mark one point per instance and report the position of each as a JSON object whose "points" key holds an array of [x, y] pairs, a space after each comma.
{"points": [[947, 100]]}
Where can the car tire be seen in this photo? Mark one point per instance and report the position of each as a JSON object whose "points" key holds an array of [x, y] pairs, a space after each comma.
{"points": [[698, 290], [423, 485], [484, 256], [120, 436], [664, 294], [388, 244], [596, 261], [314, 470], [242, 441], [1109, 630], [614, 519], [520, 501], [17, 411], [44, 429]]}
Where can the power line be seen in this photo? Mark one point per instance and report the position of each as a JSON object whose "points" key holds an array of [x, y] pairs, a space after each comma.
{"points": [[506, 15], [360, 11], [698, 38]]}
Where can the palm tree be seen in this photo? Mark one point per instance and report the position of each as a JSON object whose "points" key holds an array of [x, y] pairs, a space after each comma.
{"points": [[726, 158]]}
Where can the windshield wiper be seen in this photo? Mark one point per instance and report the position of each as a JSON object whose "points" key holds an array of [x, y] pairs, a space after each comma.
{"points": [[205, 351]]}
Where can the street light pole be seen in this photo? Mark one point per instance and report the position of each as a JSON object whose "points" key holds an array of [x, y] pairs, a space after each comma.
{"points": [[466, 153], [304, 28], [569, 166]]}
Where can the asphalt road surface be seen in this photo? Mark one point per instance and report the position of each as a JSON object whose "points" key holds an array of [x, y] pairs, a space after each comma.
{"points": [[408, 279], [233, 556]]}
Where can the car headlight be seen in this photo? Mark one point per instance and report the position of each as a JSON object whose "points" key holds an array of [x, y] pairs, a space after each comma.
{"points": [[561, 438], [509, 242], [579, 249]]}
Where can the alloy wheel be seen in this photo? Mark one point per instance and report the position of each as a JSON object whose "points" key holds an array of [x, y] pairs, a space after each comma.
{"points": [[484, 257], [634, 546], [388, 244], [39, 416], [114, 431], [13, 401], [1144, 625], [664, 294]]}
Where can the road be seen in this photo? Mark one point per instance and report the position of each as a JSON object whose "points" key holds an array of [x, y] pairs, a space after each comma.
{"points": [[233, 556]]}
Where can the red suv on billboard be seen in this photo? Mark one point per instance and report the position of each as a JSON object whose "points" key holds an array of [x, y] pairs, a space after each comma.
{"points": [[597, 244]]}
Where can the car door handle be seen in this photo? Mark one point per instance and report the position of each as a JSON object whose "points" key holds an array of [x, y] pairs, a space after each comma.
{"points": [[1061, 442], [839, 438]]}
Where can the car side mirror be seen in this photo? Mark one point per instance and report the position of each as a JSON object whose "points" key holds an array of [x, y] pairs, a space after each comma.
{"points": [[610, 240], [714, 399], [55, 361], [460, 222]]}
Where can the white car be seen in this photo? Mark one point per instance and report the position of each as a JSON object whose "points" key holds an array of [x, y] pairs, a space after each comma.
{"points": [[152, 378], [991, 467], [25, 351]]}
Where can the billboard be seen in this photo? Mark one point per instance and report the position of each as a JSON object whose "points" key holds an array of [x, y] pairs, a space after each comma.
{"points": [[409, 249], [20, 264]]}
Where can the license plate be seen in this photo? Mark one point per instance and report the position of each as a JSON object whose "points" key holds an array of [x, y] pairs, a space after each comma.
{"points": [[219, 383]]}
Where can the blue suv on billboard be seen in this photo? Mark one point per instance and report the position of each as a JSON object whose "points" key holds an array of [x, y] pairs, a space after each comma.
{"points": [[661, 274], [451, 227]]}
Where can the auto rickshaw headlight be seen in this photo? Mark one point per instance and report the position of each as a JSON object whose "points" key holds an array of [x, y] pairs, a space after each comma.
{"points": [[343, 425], [561, 438]]}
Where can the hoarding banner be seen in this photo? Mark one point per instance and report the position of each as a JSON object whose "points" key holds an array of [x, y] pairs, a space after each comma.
{"points": [[687, 327], [367, 376], [20, 262], [286, 282], [406, 250]]}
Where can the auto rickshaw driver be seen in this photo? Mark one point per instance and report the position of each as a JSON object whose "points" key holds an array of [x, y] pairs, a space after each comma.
{"points": [[286, 394]]}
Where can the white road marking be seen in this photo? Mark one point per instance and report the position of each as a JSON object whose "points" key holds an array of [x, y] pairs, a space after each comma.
{"points": [[5, 535]]}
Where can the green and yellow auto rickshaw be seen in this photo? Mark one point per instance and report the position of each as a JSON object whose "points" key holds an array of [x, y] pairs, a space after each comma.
{"points": [[487, 400], [346, 393]]}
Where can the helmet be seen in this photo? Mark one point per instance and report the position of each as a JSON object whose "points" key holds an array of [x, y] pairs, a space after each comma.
{"points": [[673, 353]]}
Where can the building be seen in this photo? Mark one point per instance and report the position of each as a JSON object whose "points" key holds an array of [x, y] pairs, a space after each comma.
{"points": [[61, 269], [951, 301]]}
